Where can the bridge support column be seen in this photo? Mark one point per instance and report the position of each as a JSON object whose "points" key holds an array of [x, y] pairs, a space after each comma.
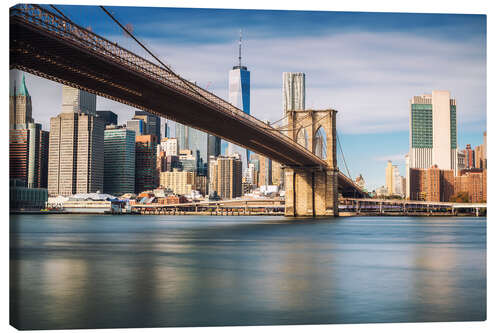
{"points": [[311, 192]]}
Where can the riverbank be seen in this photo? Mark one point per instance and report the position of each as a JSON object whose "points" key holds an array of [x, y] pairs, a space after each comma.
{"points": [[232, 213]]}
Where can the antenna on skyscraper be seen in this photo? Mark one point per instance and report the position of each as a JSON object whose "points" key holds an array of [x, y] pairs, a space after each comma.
{"points": [[239, 54]]}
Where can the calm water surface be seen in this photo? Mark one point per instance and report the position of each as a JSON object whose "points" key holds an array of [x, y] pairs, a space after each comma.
{"points": [[86, 271]]}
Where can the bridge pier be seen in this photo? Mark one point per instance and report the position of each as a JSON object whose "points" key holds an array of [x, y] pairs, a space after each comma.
{"points": [[311, 192]]}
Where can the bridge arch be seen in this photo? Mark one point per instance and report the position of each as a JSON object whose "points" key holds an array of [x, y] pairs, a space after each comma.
{"points": [[320, 143], [302, 138]]}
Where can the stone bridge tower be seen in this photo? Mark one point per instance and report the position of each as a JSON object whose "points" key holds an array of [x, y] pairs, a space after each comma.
{"points": [[313, 191]]}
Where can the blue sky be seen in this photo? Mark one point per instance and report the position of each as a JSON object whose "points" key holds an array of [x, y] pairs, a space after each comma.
{"points": [[365, 65]]}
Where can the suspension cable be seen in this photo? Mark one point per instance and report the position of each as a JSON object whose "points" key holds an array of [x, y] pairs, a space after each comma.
{"points": [[343, 157], [284, 129], [60, 13], [274, 122]]}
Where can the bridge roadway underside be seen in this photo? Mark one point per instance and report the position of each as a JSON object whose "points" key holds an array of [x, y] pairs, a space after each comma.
{"points": [[60, 59], [43, 54]]}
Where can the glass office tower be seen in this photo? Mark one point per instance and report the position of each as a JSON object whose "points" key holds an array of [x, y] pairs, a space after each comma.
{"points": [[239, 96], [201, 144], [152, 123], [119, 160]]}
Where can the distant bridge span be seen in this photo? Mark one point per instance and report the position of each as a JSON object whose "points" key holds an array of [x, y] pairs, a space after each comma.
{"points": [[49, 46]]}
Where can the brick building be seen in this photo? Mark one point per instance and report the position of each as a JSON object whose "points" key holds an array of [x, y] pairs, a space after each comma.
{"points": [[434, 184], [226, 176], [473, 182], [470, 161], [146, 173]]}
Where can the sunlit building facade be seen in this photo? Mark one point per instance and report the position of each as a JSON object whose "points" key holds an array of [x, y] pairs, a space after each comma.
{"points": [[183, 182], [76, 146], [227, 176], [433, 131]]}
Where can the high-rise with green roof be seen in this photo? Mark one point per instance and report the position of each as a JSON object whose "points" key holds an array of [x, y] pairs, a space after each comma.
{"points": [[20, 104], [28, 143], [433, 132]]}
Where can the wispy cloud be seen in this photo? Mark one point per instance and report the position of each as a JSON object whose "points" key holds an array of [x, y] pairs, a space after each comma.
{"points": [[368, 77], [396, 158]]}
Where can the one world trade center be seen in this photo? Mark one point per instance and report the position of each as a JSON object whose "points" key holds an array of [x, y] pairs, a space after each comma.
{"points": [[239, 96]]}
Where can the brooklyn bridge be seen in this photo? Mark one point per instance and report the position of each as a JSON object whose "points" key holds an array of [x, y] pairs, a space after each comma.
{"points": [[51, 46]]}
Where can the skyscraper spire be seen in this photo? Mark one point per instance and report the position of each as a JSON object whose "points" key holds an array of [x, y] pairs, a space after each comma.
{"points": [[239, 54], [23, 91]]}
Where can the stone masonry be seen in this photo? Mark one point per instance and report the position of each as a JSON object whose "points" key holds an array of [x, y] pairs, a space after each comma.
{"points": [[311, 191]]}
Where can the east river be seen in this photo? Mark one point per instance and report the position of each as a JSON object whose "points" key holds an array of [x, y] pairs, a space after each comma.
{"points": [[99, 271]]}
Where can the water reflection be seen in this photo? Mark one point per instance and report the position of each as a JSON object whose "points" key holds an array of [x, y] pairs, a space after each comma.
{"points": [[126, 271]]}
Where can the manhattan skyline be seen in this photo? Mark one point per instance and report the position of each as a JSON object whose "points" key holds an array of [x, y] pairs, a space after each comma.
{"points": [[365, 65]]}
